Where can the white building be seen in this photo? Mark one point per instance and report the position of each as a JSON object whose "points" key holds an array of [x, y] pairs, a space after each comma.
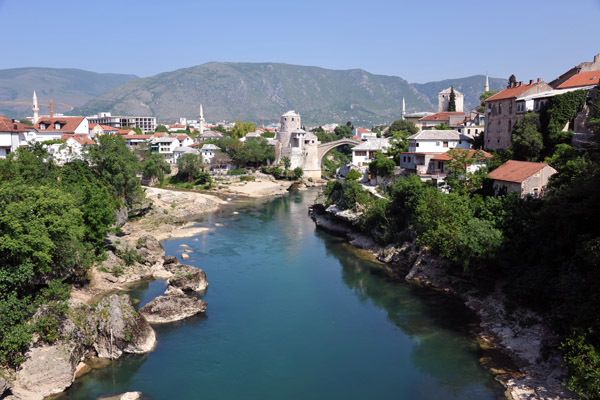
{"points": [[73, 147], [146, 124], [425, 145], [363, 134], [13, 134], [444, 100], [184, 140], [53, 128], [208, 152], [181, 150], [135, 140], [164, 146], [365, 152]]}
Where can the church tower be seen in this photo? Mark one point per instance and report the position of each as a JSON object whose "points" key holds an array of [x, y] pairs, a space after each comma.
{"points": [[486, 88], [201, 120], [35, 108]]}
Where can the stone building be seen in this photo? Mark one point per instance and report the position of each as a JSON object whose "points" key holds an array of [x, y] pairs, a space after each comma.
{"points": [[300, 146], [444, 100], [501, 113], [525, 178]]}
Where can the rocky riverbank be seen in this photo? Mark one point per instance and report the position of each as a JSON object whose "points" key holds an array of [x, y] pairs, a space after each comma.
{"points": [[519, 348], [102, 323]]}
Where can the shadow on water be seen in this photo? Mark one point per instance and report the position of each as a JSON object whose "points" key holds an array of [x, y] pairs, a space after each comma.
{"points": [[441, 325]]}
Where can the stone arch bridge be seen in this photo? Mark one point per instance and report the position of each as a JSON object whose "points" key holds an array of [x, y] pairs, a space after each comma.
{"points": [[325, 148]]}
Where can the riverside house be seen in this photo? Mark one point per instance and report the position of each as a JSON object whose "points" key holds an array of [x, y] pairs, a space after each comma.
{"points": [[525, 178]]}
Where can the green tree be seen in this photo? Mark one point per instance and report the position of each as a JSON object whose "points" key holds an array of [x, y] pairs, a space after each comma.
{"points": [[298, 172], [582, 362], [381, 165], [442, 127], [26, 121], [117, 166], [343, 131], [483, 98], [459, 178], [594, 104], [241, 128], [161, 128], [452, 100], [401, 128], [286, 162], [155, 167], [527, 142], [254, 151], [189, 165], [512, 80], [353, 175]]}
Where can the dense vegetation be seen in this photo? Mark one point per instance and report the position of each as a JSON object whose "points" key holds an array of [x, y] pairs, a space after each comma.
{"points": [[53, 221], [546, 252]]}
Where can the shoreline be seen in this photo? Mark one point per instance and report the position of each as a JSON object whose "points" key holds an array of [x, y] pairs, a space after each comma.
{"points": [[519, 349]]}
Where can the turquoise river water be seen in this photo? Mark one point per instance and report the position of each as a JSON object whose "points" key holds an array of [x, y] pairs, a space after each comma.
{"points": [[295, 313]]}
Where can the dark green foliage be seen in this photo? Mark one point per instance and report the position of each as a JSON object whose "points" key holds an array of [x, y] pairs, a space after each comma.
{"points": [[254, 151], [239, 171], [582, 362], [117, 166], [353, 175], [443, 127], [268, 135], [298, 172], [343, 131], [527, 141], [155, 166], [452, 100], [560, 111], [401, 127], [189, 166], [483, 98], [286, 162], [594, 105], [26, 121], [277, 172], [381, 165], [161, 128]]}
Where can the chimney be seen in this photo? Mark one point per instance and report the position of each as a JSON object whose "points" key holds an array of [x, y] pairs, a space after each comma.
{"points": [[539, 80], [520, 83], [531, 81]]}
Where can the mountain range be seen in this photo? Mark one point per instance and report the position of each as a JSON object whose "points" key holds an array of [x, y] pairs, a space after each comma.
{"points": [[230, 91]]}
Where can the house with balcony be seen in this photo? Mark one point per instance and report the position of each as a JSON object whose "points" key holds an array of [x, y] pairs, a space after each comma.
{"points": [[53, 128], [423, 146], [363, 153], [165, 146]]}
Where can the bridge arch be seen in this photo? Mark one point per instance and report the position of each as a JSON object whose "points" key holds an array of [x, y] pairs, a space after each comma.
{"points": [[325, 148]]}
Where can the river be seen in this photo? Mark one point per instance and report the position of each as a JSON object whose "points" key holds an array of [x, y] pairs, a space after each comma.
{"points": [[295, 313]]}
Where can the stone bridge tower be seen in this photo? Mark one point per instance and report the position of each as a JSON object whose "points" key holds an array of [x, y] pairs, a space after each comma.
{"points": [[298, 145]]}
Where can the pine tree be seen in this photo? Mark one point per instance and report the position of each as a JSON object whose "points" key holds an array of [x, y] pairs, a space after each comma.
{"points": [[452, 100]]}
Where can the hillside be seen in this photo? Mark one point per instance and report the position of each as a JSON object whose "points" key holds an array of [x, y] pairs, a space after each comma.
{"points": [[471, 87], [253, 91], [70, 86]]}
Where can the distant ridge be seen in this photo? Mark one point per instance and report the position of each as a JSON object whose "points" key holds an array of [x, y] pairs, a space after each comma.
{"points": [[65, 85]]}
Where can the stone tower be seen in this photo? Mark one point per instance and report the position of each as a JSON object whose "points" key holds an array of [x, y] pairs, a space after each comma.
{"points": [[486, 88], [444, 99], [201, 120], [35, 109], [298, 145]]}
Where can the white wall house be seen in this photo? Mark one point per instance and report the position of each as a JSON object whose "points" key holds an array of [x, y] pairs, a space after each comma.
{"points": [[164, 146], [425, 145], [184, 140], [365, 152], [134, 140], [72, 148], [208, 152], [54, 128], [363, 134], [181, 150], [12, 135]]}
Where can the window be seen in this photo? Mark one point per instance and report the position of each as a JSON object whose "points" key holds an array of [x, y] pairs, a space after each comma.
{"points": [[509, 126], [42, 126], [510, 108], [437, 143], [498, 126], [468, 131], [57, 126], [499, 109], [417, 144], [445, 144]]}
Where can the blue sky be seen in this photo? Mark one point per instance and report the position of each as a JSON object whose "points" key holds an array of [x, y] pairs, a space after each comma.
{"points": [[419, 41]]}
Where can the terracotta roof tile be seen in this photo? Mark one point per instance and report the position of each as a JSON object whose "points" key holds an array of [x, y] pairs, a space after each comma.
{"points": [[68, 124], [581, 79], [441, 116], [447, 156], [516, 171], [9, 125], [136, 137], [512, 92]]}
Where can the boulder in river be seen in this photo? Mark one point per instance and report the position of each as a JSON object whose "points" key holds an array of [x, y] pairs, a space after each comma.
{"points": [[121, 329], [187, 278], [164, 309]]}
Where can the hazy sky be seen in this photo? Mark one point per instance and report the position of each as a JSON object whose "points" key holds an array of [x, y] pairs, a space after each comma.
{"points": [[420, 41]]}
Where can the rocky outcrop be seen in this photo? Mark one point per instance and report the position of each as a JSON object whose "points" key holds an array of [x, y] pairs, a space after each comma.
{"points": [[124, 396], [49, 369], [121, 329], [164, 309], [187, 278]]}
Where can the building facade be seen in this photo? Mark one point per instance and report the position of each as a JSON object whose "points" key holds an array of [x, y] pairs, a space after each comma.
{"points": [[146, 124]]}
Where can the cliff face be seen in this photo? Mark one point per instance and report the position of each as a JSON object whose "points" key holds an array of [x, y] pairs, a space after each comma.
{"points": [[519, 347]]}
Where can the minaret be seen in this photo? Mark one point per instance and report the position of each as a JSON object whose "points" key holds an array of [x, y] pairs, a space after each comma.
{"points": [[487, 83], [201, 120], [35, 108], [403, 108]]}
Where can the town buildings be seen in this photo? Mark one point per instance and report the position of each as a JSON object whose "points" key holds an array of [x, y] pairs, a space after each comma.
{"points": [[146, 124], [364, 153], [13, 134], [53, 128], [300, 146]]}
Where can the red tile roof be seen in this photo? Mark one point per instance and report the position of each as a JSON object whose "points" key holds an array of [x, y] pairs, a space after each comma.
{"points": [[441, 116], [512, 92], [447, 156], [136, 137], [79, 137], [581, 79], [125, 131], [68, 124], [182, 137], [196, 144], [363, 130], [9, 125], [516, 171]]}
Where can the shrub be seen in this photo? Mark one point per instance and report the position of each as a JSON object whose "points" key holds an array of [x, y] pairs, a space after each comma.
{"points": [[239, 171], [247, 178], [298, 172], [353, 175], [277, 172]]}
